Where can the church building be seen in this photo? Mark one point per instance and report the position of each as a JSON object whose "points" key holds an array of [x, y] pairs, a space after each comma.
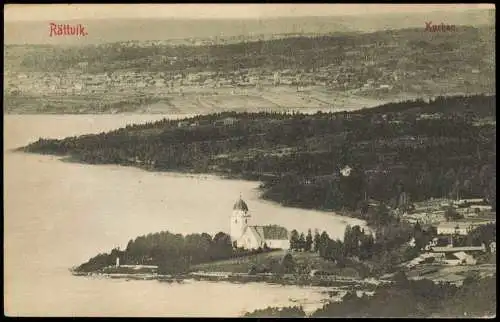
{"points": [[252, 237]]}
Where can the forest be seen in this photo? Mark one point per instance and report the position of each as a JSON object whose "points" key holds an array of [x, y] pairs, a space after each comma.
{"points": [[444, 147]]}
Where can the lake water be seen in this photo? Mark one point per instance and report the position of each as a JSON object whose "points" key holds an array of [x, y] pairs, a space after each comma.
{"points": [[59, 214]]}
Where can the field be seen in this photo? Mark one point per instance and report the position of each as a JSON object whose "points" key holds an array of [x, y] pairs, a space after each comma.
{"points": [[192, 100], [450, 273], [305, 262]]}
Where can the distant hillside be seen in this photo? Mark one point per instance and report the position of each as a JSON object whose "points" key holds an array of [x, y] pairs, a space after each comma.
{"points": [[106, 31], [336, 71], [297, 52]]}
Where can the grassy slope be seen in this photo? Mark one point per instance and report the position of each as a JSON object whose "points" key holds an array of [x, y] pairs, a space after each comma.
{"points": [[272, 259]]}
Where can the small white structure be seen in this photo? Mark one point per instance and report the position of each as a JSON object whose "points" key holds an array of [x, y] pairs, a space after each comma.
{"points": [[449, 228], [253, 237], [346, 171], [470, 201], [230, 121], [411, 243], [493, 247], [83, 64], [481, 207], [117, 262]]}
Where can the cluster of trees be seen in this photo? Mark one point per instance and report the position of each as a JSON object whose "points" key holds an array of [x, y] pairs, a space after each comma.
{"points": [[172, 253], [423, 298], [450, 156], [423, 236], [355, 243], [451, 214], [484, 234], [301, 242], [407, 299], [387, 247]]}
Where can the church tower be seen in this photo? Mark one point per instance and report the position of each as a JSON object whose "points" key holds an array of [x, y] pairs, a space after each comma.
{"points": [[240, 219]]}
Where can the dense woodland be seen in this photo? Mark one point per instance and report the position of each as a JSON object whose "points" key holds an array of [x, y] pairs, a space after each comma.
{"points": [[391, 149]]}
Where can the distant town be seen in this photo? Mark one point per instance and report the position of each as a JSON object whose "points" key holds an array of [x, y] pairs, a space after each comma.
{"points": [[385, 65]]}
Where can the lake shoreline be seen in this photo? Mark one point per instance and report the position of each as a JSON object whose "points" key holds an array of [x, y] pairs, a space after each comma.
{"points": [[352, 284]]}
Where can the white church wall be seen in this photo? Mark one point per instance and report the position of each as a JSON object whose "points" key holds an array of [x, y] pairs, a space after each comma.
{"points": [[239, 221], [248, 240], [278, 243]]}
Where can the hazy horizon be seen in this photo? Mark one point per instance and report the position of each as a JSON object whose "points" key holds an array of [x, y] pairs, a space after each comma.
{"points": [[16, 12], [142, 28]]}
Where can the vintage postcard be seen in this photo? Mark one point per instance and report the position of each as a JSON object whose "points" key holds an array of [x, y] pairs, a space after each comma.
{"points": [[249, 160]]}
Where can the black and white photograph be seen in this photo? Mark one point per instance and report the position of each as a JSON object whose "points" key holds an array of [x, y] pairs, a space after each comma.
{"points": [[250, 160]]}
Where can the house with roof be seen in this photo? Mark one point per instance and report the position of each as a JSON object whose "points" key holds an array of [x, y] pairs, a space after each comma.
{"points": [[450, 228], [464, 249], [460, 227], [249, 236]]}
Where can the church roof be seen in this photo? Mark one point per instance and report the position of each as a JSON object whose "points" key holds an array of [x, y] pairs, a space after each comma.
{"points": [[271, 232], [240, 205]]}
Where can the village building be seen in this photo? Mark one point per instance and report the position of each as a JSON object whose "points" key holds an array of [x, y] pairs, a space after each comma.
{"points": [[458, 255], [229, 121], [448, 255], [465, 249], [450, 228], [461, 227], [493, 247], [470, 201], [247, 236]]}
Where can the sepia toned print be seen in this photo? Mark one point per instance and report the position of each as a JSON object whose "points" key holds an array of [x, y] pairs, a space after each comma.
{"points": [[250, 160]]}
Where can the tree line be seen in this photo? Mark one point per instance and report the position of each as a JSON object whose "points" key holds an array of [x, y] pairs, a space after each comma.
{"points": [[172, 253]]}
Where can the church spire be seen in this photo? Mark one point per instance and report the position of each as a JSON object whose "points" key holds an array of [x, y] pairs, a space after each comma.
{"points": [[240, 205]]}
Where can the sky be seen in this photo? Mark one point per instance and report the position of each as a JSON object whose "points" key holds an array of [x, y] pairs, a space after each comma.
{"points": [[37, 12]]}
